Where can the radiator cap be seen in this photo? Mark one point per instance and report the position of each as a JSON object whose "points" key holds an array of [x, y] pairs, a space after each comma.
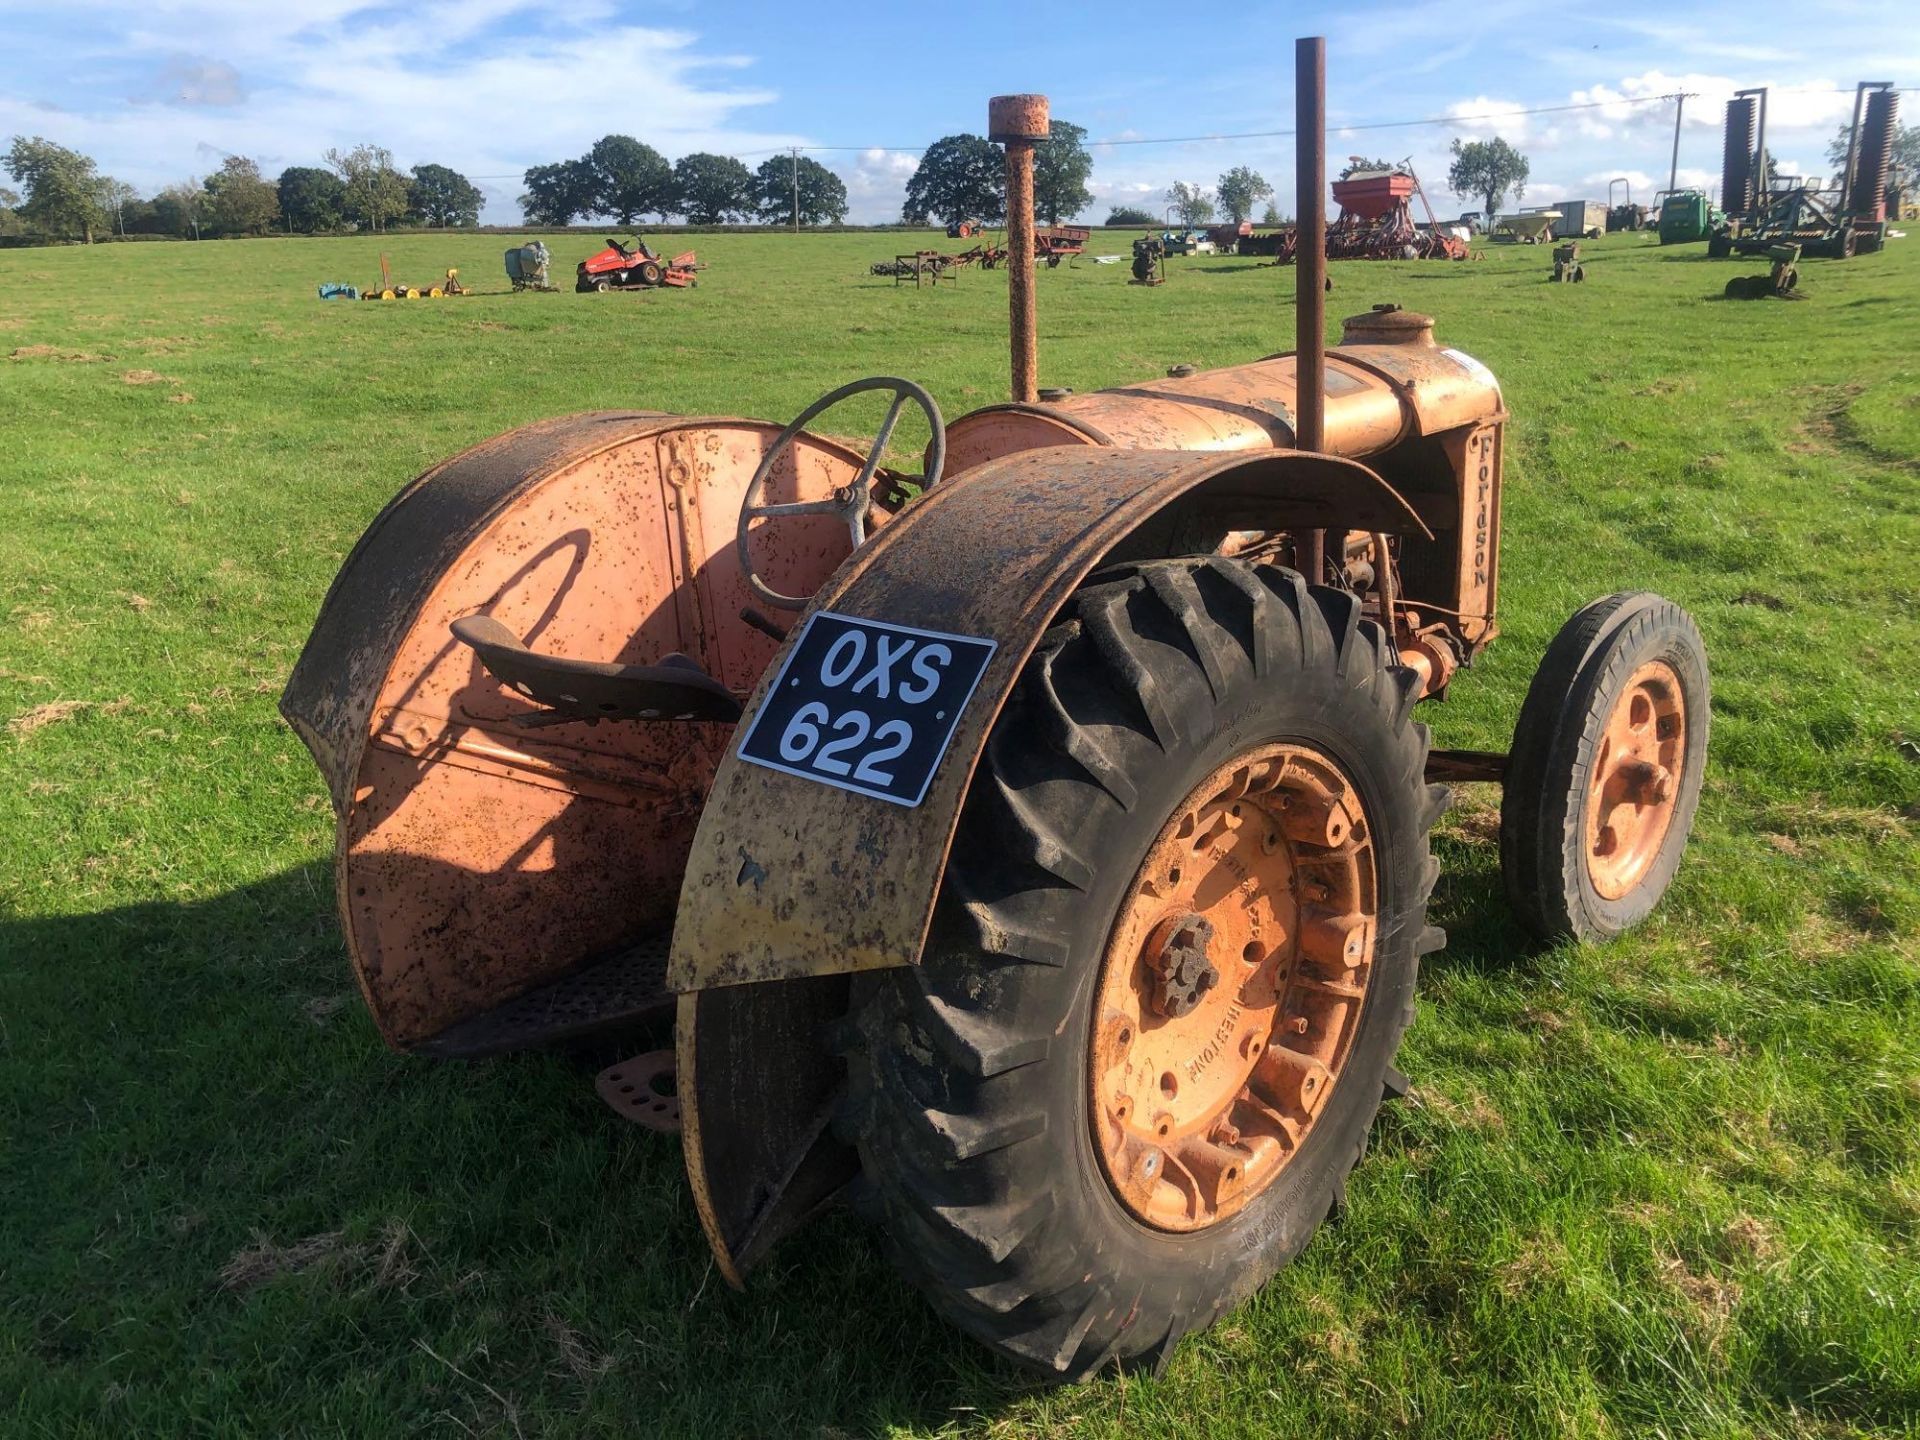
{"points": [[1387, 325]]}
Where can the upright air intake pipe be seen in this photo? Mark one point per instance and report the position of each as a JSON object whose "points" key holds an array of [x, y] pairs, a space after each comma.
{"points": [[1020, 122]]}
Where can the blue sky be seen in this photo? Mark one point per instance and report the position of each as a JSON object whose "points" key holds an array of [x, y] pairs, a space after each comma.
{"points": [[161, 89]]}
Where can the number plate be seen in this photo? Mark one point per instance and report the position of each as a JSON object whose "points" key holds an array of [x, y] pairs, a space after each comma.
{"points": [[862, 705]]}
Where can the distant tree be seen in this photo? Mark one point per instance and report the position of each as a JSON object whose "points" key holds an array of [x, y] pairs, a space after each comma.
{"points": [[558, 193], [115, 197], [140, 217], [1131, 215], [312, 200], [1486, 170], [822, 194], [628, 180], [1192, 203], [1240, 189], [960, 177], [1060, 171], [376, 191], [62, 188], [239, 202], [1904, 169], [712, 189], [178, 208], [10, 221], [1357, 162], [443, 198], [1271, 215]]}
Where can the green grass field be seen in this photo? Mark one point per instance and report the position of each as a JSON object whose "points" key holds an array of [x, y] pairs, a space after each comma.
{"points": [[1669, 1186]]}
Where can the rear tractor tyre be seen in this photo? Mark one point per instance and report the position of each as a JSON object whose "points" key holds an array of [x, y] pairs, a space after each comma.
{"points": [[1605, 773], [1173, 956], [602, 286]]}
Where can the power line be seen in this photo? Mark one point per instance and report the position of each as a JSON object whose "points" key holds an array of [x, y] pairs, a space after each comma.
{"points": [[1263, 134], [1282, 134]]}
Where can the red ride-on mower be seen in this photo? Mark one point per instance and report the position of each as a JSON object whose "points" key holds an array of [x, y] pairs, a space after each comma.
{"points": [[634, 267]]}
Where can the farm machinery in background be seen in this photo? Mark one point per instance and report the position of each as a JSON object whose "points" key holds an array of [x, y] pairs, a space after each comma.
{"points": [[1275, 243], [391, 289], [527, 267], [1376, 220], [1375, 223], [1625, 215], [1031, 843], [1580, 220], [1783, 280], [635, 267], [1764, 212], [1527, 227], [1050, 245], [1687, 216], [1149, 261]]}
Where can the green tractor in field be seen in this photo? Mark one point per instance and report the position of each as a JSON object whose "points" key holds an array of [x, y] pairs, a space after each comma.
{"points": [[1687, 216]]}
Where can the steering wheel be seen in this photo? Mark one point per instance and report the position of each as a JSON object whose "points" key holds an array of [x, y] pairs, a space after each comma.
{"points": [[849, 502]]}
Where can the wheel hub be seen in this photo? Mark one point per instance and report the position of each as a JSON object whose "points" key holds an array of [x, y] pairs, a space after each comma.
{"points": [[1232, 986], [1182, 974], [1635, 779]]}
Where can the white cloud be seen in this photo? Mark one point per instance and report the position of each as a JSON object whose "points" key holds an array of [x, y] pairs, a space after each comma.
{"points": [[1481, 116], [876, 183], [192, 80], [295, 79]]}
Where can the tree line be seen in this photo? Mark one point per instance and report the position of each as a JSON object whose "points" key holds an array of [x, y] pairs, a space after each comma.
{"points": [[67, 198], [624, 179], [959, 177]]}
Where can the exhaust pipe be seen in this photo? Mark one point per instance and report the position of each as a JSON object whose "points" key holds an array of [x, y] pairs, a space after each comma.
{"points": [[1310, 269]]}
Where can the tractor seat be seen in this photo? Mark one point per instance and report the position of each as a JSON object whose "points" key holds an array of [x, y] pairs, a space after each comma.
{"points": [[590, 691]]}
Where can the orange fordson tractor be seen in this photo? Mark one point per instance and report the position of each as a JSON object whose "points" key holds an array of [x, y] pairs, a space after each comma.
{"points": [[1034, 848]]}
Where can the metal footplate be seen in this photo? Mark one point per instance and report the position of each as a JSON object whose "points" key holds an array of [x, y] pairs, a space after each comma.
{"points": [[622, 989], [593, 690]]}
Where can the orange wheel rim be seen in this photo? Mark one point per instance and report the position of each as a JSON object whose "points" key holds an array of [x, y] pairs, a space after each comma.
{"points": [[1635, 781], [1232, 986]]}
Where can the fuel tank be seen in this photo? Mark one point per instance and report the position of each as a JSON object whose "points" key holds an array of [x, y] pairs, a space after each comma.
{"points": [[1387, 382]]}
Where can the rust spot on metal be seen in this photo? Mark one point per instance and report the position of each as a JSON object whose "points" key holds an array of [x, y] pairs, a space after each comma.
{"points": [[1018, 121]]}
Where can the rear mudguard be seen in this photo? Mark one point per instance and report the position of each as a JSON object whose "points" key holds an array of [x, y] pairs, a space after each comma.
{"points": [[792, 886], [789, 877], [479, 859]]}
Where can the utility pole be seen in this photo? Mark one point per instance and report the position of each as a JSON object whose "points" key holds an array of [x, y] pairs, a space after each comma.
{"points": [[796, 189], [1673, 170]]}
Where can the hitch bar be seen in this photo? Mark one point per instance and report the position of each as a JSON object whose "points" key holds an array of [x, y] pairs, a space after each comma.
{"points": [[590, 691], [1464, 766]]}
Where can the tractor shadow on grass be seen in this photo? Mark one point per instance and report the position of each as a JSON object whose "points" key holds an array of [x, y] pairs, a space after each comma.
{"points": [[222, 1152], [1470, 898]]}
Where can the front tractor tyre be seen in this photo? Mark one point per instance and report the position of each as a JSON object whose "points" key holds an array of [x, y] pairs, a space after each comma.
{"points": [[1173, 956], [1606, 767]]}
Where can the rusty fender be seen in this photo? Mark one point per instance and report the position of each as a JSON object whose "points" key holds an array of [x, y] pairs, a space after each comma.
{"points": [[791, 878]]}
